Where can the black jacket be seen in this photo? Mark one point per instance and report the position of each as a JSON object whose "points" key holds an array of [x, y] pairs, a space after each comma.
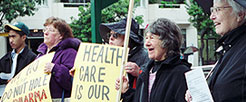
{"points": [[24, 58], [228, 81], [169, 86], [138, 55]]}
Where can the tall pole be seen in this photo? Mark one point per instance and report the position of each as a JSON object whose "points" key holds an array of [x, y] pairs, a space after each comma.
{"points": [[125, 50]]}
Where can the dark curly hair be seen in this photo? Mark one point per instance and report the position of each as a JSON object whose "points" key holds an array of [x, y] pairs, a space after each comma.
{"points": [[170, 35]]}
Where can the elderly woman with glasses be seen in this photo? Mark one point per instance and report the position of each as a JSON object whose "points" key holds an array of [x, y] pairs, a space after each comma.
{"points": [[163, 80], [58, 38], [227, 82]]}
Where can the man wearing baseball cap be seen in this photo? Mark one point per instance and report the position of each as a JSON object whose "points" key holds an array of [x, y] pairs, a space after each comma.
{"points": [[13, 62]]}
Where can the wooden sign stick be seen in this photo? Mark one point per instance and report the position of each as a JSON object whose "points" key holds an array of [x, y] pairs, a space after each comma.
{"points": [[125, 54]]}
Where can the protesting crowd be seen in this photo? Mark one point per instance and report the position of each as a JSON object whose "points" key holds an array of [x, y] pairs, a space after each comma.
{"points": [[154, 69]]}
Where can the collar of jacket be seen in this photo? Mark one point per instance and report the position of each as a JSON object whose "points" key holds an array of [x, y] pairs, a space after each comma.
{"points": [[230, 38], [64, 44], [22, 54], [168, 63]]}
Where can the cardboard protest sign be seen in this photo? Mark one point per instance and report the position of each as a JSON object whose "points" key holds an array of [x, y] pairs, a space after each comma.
{"points": [[96, 69], [31, 84]]}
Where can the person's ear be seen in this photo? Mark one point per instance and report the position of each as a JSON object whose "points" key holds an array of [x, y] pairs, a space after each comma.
{"points": [[23, 37], [241, 16]]}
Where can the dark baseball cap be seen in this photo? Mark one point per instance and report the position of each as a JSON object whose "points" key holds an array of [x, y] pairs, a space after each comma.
{"points": [[18, 26]]}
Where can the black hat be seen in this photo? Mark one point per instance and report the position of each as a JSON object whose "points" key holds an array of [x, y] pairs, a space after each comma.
{"points": [[18, 26], [241, 2], [120, 28]]}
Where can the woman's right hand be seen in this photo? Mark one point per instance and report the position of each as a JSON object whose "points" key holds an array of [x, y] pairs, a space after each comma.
{"points": [[125, 84], [71, 71], [188, 97]]}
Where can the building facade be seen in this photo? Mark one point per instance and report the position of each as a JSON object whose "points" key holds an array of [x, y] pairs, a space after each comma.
{"points": [[65, 9]]}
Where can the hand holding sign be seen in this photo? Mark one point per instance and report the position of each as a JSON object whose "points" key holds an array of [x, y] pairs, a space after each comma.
{"points": [[71, 71], [48, 67], [125, 84], [132, 68]]}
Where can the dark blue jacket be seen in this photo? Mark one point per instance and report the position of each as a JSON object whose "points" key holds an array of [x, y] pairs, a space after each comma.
{"points": [[228, 81]]}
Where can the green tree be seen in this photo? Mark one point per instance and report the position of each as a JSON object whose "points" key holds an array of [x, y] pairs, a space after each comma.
{"points": [[11, 9], [115, 12], [201, 22]]}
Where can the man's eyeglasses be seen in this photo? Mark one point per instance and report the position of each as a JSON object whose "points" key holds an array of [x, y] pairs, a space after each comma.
{"points": [[216, 9], [115, 35]]}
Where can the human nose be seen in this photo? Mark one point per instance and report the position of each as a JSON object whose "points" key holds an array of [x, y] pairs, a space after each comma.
{"points": [[147, 42], [111, 37], [212, 16], [45, 32], [11, 39]]}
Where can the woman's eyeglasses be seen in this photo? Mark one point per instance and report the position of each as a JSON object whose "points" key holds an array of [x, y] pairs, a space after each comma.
{"points": [[115, 35], [49, 30], [152, 36], [216, 9]]}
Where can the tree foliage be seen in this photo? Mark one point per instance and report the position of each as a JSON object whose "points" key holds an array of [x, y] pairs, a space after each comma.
{"points": [[11, 9], [115, 12], [201, 22], [199, 19]]}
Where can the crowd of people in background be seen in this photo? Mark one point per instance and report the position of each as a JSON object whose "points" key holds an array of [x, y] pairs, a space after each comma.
{"points": [[155, 72]]}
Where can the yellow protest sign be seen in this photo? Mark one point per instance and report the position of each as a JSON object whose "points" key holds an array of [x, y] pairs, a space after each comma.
{"points": [[31, 84], [96, 69]]}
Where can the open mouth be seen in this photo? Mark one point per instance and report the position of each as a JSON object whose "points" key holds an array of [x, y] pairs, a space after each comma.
{"points": [[216, 24], [151, 49]]}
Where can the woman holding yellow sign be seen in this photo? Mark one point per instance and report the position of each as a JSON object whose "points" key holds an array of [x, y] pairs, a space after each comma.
{"points": [[58, 38], [114, 34]]}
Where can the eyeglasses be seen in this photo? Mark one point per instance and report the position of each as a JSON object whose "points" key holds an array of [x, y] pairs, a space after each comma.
{"points": [[152, 36], [49, 30], [115, 35], [216, 9]]}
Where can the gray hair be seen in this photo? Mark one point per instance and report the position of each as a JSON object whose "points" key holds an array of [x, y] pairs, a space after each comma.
{"points": [[235, 7], [170, 35]]}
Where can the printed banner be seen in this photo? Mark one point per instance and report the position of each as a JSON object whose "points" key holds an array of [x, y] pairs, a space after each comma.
{"points": [[97, 67], [31, 84]]}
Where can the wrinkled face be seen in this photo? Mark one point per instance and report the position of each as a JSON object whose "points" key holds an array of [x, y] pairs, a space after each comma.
{"points": [[153, 44], [116, 39], [51, 36], [15, 40], [224, 18]]}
